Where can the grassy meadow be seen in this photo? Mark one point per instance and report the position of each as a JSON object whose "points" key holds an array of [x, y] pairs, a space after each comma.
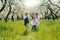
{"points": [[48, 30]]}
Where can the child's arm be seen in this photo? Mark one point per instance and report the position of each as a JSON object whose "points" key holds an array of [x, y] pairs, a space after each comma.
{"points": [[24, 16], [29, 17], [31, 22]]}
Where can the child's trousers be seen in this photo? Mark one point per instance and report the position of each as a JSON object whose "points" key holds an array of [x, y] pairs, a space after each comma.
{"points": [[34, 27], [27, 27]]}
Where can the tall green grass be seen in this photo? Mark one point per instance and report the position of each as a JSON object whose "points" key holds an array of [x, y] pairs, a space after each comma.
{"points": [[48, 30]]}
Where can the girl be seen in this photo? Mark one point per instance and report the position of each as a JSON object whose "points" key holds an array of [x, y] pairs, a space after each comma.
{"points": [[37, 18], [26, 20], [34, 23]]}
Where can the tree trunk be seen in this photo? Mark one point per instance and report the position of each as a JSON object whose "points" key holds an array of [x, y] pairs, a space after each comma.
{"points": [[6, 19], [4, 5], [12, 18]]}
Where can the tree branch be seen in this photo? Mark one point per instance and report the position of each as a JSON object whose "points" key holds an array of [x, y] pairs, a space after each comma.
{"points": [[4, 5], [8, 13], [54, 4]]}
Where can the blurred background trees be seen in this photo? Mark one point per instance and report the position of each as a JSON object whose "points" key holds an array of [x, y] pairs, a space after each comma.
{"points": [[14, 9]]}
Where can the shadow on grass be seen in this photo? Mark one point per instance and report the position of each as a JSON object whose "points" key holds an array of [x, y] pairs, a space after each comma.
{"points": [[25, 33], [3, 28]]}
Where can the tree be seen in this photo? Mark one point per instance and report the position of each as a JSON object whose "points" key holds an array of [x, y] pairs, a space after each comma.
{"points": [[8, 12], [53, 14], [4, 5], [50, 13]]}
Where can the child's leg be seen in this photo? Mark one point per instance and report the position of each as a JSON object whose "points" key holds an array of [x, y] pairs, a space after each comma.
{"points": [[34, 27], [27, 26]]}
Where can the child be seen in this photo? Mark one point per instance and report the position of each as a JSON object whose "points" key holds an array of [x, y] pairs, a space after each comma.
{"points": [[37, 17], [34, 23], [26, 20]]}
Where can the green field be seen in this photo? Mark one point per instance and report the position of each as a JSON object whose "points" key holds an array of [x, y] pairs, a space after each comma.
{"points": [[48, 30]]}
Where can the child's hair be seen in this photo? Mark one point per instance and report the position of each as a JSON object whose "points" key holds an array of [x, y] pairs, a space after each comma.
{"points": [[26, 13], [33, 17], [36, 13]]}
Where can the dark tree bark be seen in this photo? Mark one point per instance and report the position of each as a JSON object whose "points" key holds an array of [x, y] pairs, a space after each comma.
{"points": [[2, 1], [51, 11], [56, 11], [18, 18], [4, 5], [53, 14], [6, 19], [0, 18], [12, 18], [53, 4]]}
